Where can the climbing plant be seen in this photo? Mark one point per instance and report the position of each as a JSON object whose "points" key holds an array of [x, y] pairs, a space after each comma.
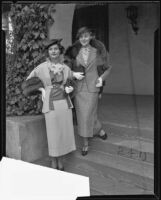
{"points": [[30, 30]]}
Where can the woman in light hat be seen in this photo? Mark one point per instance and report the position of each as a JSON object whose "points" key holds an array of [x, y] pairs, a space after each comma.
{"points": [[53, 73], [88, 55]]}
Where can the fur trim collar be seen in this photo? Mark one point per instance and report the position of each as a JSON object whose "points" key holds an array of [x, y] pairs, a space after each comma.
{"points": [[72, 51]]}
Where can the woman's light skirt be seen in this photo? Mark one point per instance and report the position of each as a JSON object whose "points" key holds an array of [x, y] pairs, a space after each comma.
{"points": [[60, 130]]}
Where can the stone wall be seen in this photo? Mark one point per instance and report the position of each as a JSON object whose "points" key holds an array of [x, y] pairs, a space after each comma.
{"points": [[26, 138], [132, 56]]}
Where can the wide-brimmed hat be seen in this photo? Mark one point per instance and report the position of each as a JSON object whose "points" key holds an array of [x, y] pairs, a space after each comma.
{"points": [[52, 42]]}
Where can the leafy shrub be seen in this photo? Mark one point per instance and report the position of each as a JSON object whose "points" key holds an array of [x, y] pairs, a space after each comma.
{"points": [[30, 30]]}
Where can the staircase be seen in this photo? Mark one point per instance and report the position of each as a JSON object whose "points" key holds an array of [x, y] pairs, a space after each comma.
{"points": [[124, 163]]}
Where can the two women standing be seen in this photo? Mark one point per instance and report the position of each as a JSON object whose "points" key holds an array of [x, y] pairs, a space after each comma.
{"points": [[88, 61]]}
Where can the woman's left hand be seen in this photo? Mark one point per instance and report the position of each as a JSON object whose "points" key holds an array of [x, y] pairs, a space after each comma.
{"points": [[99, 82], [69, 89]]}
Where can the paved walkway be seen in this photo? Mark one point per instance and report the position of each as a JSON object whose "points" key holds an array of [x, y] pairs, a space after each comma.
{"points": [[123, 164]]}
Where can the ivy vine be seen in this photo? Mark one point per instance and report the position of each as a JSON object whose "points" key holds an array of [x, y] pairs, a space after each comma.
{"points": [[30, 31]]}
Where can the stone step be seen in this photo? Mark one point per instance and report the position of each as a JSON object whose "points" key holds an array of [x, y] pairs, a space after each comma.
{"points": [[44, 161], [104, 180], [125, 170], [128, 165], [128, 115], [129, 131], [131, 148]]}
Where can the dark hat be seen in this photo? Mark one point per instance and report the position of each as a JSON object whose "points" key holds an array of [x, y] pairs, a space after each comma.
{"points": [[84, 29], [52, 42]]}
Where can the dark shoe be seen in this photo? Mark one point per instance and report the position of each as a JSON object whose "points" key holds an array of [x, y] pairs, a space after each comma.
{"points": [[61, 169], [84, 150], [103, 137]]}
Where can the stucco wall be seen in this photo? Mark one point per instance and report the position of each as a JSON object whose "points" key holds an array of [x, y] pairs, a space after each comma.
{"points": [[132, 56], [63, 23]]}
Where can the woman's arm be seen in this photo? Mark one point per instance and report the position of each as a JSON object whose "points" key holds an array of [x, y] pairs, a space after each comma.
{"points": [[106, 73], [72, 74], [32, 74], [103, 77]]}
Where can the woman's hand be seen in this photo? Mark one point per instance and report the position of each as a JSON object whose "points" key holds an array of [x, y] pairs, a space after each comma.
{"points": [[43, 93], [99, 82], [78, 75], [69, 89]]}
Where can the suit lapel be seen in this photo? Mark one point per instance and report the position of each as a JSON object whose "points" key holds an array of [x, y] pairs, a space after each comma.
{"points": [[92, 57]]}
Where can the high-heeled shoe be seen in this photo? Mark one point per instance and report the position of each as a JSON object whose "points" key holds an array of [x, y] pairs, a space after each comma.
{"points": [[61, 168], [85, 150], [103, 137]]}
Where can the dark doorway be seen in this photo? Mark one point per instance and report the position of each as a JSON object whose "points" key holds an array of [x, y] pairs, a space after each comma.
{"points": [[95, 17]]}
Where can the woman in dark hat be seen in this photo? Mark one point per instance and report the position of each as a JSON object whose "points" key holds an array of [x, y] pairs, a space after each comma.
{"points": [[88, 55], [53, 73]]}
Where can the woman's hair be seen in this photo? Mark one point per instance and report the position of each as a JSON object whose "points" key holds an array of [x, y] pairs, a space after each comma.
{"points": [[61, 48], [82, 30]]}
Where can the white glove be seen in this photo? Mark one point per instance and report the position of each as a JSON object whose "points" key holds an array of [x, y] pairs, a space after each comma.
{"points": [[43, 93], [78, 75], [69, 89], [99, 82]]}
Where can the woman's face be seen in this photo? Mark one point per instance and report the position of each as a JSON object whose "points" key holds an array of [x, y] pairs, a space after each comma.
{"points": [[54, 51], [85, 38]]}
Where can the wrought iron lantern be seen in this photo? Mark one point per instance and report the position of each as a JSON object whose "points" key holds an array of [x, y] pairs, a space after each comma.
{"points": [[132, 15]]}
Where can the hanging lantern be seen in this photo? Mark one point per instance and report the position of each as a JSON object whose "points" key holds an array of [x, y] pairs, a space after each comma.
{"points": [[132, 15]]}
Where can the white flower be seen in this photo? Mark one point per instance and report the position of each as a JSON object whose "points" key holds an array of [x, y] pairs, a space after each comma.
{"points": [[56, 68]]}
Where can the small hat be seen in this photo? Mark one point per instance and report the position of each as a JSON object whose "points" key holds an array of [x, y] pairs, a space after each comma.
{"points": [[52, 42]]}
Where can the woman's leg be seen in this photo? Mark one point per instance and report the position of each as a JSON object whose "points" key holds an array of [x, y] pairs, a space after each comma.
{"points": [[98, 129], [85, 146], [54, 162], [85, 141], [60, 163]]}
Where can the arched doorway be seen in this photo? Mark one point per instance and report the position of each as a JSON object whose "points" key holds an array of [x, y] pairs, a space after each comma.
{"points": [[95, 17]]}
